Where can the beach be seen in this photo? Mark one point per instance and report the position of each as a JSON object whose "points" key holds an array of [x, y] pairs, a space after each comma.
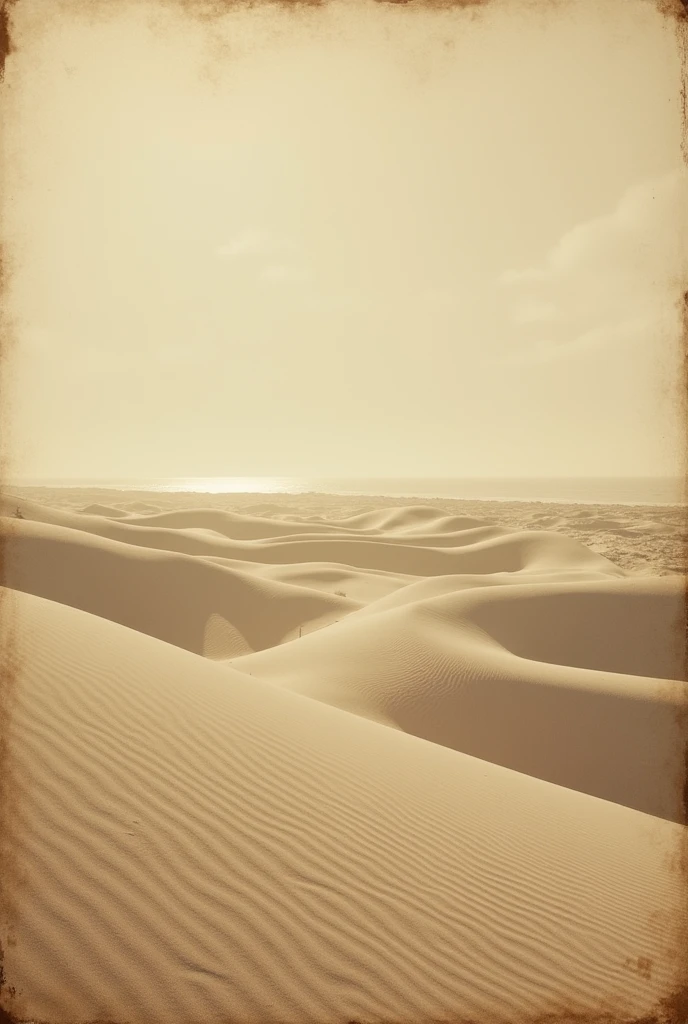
{"points": [[319, 758]]}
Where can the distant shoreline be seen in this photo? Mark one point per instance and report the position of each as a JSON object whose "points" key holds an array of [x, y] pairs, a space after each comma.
{"points": [[280, 496]]}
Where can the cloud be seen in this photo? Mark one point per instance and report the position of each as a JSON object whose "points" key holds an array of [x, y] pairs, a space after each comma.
{"points": [[271, 258], [608, 279], [534, 311], [289, 273], [547, 349], [438, 298], [254, 242]]}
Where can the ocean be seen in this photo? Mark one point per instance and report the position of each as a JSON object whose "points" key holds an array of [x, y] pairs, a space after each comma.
{"points": [[583, 490]]}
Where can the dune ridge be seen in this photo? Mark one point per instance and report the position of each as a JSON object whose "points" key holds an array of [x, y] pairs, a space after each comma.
{"points": [[647, 539], [398, 765]]}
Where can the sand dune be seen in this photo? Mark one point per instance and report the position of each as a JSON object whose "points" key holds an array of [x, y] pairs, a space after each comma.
{"points": [[168, 595], [397, 765], [647, 539], [103, 510], [442, 669]]}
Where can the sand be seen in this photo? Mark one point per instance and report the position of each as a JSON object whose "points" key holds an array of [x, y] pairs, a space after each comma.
{"points": [[333, 759]]}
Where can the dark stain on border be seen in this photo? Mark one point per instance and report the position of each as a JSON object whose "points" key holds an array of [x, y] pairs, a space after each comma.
{"points": [[5, 40], [676, 1006], [8, 652]]}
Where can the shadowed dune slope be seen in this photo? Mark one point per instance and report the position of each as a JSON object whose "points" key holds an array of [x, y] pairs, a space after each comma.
{"points": [[574, 714], [103, 510], [185, 601]]}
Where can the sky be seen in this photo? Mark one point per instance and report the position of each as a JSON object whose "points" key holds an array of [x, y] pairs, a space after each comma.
{"points": [[356, 239]]}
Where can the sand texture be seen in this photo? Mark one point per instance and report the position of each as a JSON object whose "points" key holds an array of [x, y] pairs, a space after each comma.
{"points": [[315, 759]]}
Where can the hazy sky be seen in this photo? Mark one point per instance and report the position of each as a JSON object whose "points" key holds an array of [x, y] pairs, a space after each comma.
{"points": [[361, 239]]}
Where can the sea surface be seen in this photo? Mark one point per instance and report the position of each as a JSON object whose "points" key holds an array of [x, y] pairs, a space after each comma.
{"points": [[583, 490]]}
